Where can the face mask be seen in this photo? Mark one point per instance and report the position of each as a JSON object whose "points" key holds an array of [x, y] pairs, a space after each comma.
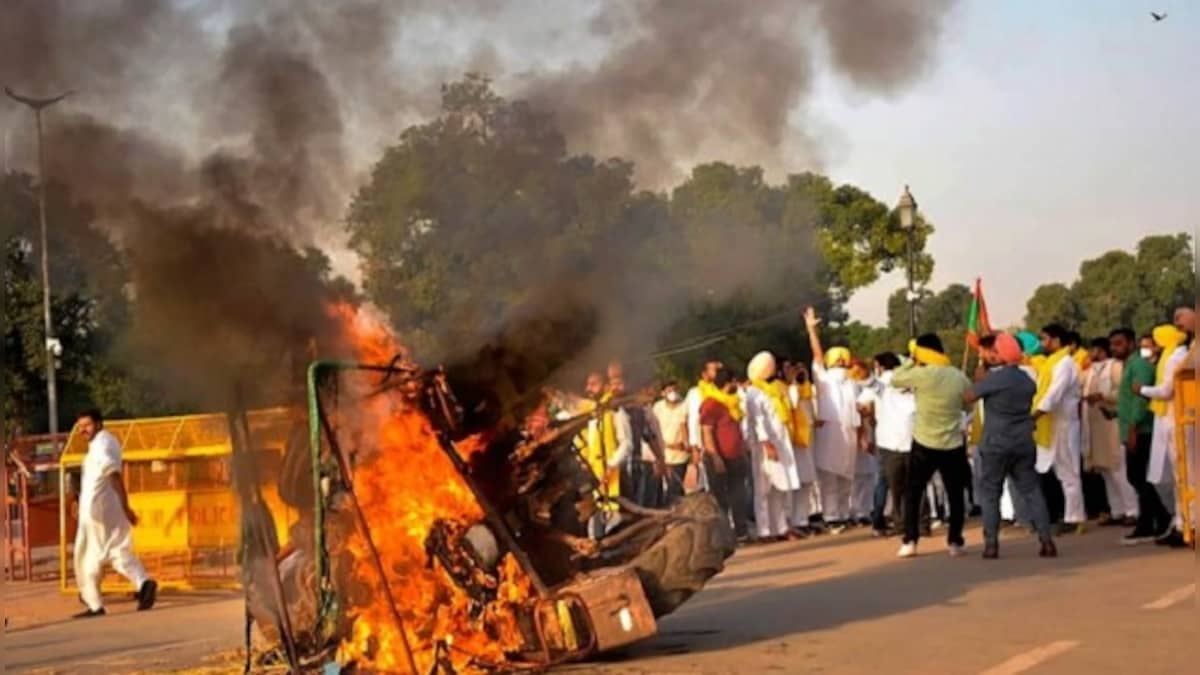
{"points": [[672, 397], [1147, 353]]}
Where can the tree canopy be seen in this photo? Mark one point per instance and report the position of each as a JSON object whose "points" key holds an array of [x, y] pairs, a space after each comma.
{"points": [[471, 217], [1118, 289]]}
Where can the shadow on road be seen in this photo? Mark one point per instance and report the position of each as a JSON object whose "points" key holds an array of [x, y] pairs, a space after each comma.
{"points": [[768, 611]]}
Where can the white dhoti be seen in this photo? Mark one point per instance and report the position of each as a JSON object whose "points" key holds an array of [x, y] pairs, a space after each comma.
{"points": [[1122, 498], [862, 500], [835, 496], [1064, 457], [802, 504], [97, 544], [1161, 471]]}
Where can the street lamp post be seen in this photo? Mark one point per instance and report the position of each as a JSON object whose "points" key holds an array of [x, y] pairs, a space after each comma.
{"points": [[908, 221], [53, 346]]}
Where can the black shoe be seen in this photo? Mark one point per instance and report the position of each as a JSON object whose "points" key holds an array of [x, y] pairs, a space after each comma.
{"points": [[1048, 550], [1138, 537], [90, 614], [991, 550], [147, 595], [1173, 539]]}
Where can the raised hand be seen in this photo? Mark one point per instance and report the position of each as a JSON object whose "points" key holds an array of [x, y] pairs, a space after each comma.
{"points": [[810, 318]]}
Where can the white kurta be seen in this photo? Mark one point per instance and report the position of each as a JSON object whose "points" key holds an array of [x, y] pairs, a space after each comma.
{"points": [[105, 534], [775, 480], [1062, 401], [835, 445], [765, 426], [806, 468], [1162, 445], [1101, 439]]}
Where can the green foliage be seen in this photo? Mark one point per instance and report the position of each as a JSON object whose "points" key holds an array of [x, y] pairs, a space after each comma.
{"points": [[1138, 290], [471, 217], [88, 309]]}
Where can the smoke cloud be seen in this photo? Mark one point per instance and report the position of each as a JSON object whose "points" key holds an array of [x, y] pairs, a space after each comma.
{"points": [[217, 138]]}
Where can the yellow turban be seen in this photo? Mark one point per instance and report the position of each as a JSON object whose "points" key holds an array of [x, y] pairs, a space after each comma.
{"points": [[927, 356], [1167, 337], [835, 355]]}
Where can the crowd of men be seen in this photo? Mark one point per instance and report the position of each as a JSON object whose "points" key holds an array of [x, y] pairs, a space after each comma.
{"points": [[908, 443]]}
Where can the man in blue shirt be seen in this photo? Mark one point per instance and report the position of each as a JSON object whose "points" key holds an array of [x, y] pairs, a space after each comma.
{"points": [[1007, 447]]}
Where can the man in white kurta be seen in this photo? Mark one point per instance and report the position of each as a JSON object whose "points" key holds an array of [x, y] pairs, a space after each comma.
{"points": [[105, 532], [835, 446], [1102, 447], [1161, 471], [772, 457], [1061, 401], [806, 468]]}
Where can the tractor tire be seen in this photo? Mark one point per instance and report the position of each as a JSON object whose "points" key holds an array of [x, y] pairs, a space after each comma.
{"points": [[691, 552]]}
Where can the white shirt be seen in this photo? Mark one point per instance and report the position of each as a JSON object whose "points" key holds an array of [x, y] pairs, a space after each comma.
{"points": [[672, 421], [694, 400], [624, 434], [895, 414], [98, 498], [1166, 390], [1062, 398]]}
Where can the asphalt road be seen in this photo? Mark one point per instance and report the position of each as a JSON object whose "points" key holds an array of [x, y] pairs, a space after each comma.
{"points": [[832, 605], [180, 631], [849, 606]]}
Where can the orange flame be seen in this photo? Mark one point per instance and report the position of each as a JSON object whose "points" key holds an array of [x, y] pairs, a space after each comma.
{"points": [[407, 485]]}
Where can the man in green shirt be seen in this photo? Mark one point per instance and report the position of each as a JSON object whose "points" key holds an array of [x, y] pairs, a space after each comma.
{"points": [[938, 441], [1135, 422]]}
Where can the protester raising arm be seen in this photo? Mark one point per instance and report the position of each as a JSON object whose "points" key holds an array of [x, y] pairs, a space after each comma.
{"points": [[814, 339]]}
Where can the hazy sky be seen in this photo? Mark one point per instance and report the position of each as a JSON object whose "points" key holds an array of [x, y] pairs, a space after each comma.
{"points": [[1049, 132]]}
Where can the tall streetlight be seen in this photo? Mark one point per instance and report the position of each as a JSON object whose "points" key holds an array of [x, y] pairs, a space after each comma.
{"points": [[53, 346], [908, 221]]}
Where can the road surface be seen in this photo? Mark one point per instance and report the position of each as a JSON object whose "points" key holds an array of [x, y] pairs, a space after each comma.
{"points": [[830, 605]]}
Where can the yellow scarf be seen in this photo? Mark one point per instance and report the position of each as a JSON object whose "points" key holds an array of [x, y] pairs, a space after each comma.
{"points": [[977, 424], [1043, 430], [801, 427], [793, 418], [597, 444], [926, 356], [708, 390], [1169, 338], [1082, 360]]}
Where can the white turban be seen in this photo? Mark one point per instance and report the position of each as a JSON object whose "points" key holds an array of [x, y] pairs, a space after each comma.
{"points": [[762, 366]]}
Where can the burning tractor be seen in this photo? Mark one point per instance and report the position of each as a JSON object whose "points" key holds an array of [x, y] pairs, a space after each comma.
{"points": [[427, 544]]}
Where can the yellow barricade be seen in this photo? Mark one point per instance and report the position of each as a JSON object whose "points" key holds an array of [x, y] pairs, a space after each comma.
{"points": [[178, 473], [1185, 447]]}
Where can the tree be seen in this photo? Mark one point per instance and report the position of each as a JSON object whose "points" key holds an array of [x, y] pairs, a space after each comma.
{"points": [[858, 237], [478, 226], [1052, 303], [1118, 288], [89, 307]]}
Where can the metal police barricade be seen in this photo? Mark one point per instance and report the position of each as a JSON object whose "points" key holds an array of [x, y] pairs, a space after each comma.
{"points": [[177, 473], [1185, 450]]}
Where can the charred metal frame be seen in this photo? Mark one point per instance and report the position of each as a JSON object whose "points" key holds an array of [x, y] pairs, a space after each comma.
{"points": [[333, 470], [319, 425]]}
